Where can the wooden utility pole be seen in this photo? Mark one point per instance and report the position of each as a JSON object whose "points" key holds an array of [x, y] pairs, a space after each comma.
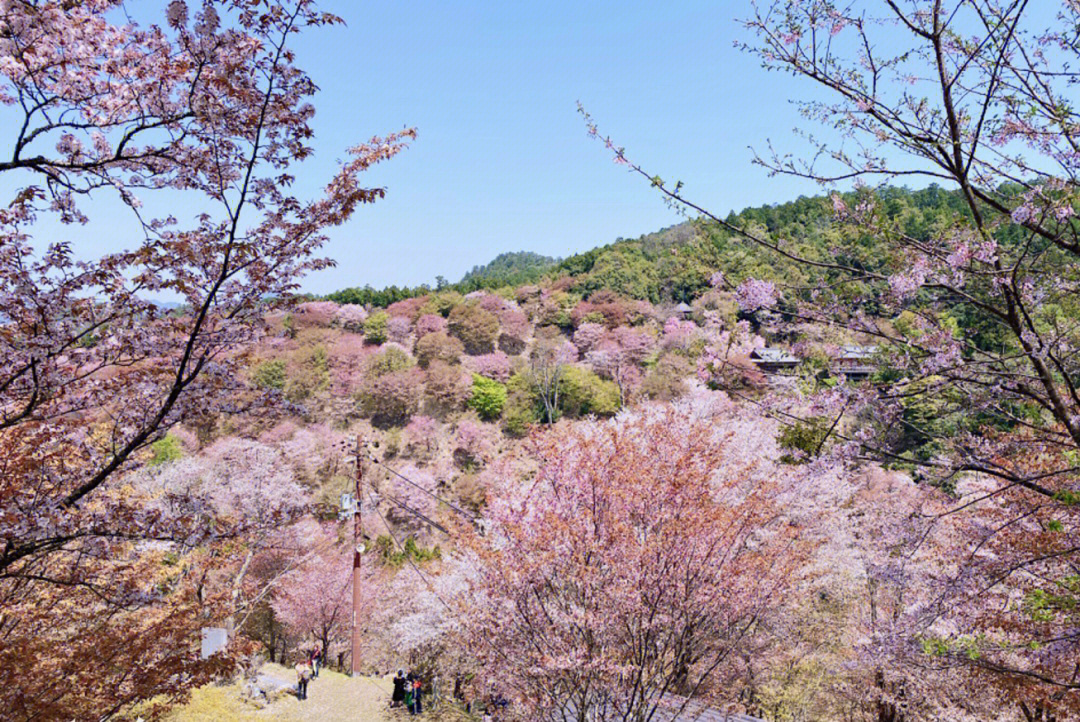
{"points": [[358, 549]]}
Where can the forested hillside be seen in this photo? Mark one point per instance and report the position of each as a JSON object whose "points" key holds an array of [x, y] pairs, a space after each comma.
{"points": [[676, 263]]}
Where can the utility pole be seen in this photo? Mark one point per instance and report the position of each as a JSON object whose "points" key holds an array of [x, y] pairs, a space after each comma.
{"points": [[358, 550]]}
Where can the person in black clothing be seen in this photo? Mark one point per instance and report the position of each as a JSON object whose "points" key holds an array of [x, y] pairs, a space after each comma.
{"points": [[399, 690]]}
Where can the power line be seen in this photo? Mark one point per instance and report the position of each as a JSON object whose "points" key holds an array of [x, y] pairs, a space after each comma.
{"points": [[405, 553], [417, 514], [458, 509]]}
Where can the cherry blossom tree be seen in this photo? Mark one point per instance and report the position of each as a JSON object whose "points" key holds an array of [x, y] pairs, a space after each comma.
{"points": [[315, 601], [976, 319], [208, 104], [629, 573], [351, 317], [493, 365], [430, 323], [515, 329], [416, 621], [547, 361], [619, 357]]}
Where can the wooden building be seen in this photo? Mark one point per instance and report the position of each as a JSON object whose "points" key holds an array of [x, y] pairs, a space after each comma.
{"points": [[855, 362], [772, 360]]}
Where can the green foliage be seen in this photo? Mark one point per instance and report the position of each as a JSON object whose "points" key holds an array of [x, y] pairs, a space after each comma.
{"points": [[507, 269], [387, 361], [441, 304], [1061, 602], [438, 346], [309, 375], [674, 264], [393, 557], [164, 450], [375, 328], [807, 436], [379, 298], [581, 392], [488, 397], [523, 406], [476, 328], [667, 379], [270, 375]]}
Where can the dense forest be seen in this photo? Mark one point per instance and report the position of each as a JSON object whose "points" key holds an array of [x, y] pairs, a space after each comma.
{"points": [[676, 263]]}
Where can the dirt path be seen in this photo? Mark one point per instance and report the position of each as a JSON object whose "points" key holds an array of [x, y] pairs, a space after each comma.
{"points": [[332, 697], [335, 697]]}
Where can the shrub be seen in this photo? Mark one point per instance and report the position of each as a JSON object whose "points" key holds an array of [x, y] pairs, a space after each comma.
{"points": [[438, 346], [408, 308], [441, 303], [493, 365], [288, 325], [349, 356], [351, 317], [515, 331], [488, 397], [679, 334], [473, 445], [376, 327], [588, 335], [390, 359], [393, 557], [164, 450], [423, 431], [310, 376], [603, 308], [446, 387], [667, 380], [270, 375], [554, 310], [804, 437], [523, 407], [430, 323], [390, 399], [470, 490], [398, 329], [582, 393], [317, 313], [478, 329]]}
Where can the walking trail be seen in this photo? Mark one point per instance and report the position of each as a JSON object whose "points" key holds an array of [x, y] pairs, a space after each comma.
{"points": [[332, 697]]}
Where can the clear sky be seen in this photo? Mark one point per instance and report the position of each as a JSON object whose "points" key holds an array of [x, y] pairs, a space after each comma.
{"points": [[503, 162]]}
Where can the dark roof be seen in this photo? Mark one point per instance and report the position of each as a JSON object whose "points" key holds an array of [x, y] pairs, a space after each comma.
{"points": [[773, 355], [857, 352]]}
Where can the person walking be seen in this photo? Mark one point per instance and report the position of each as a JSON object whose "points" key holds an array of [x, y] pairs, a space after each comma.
{"points": [[398, 697], [408, 696], [303, 676], [418, 696], [316, 657]]}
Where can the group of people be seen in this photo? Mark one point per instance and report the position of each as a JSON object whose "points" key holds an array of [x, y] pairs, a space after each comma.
{"points": [[307, 668], [408, 691]]}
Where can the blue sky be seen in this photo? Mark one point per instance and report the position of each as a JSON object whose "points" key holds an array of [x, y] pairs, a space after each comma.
{"points": [[503, 162]]}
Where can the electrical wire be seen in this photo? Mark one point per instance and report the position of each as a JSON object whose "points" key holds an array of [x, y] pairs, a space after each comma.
{"points": [[472, 517], [417, 514], [408, 557]]}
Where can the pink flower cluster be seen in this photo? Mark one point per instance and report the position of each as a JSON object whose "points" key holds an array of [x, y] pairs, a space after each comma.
{"points": [[492, 365], [754, 294]]}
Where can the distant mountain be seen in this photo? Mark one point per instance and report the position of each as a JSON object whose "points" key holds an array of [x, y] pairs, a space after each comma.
{"points": [[508, 269], [676, 263]]}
